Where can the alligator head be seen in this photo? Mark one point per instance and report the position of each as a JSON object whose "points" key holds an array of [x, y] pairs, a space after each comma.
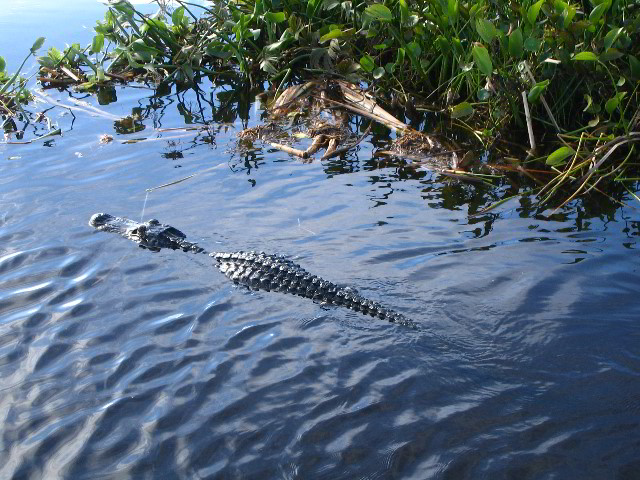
{"points": [[151, 234]]}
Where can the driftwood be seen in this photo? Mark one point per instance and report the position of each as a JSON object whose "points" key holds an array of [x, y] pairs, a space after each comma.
{"points": [[288, 149], [341, 95]]}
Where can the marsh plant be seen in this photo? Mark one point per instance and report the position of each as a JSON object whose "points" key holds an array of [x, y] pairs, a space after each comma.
{"points": [[563, 75]]}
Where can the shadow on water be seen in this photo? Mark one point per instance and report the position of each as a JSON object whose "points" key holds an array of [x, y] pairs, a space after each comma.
{"points": [[117, 362]]}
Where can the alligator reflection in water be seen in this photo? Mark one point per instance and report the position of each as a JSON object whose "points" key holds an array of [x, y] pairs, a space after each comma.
{"points": [[259, 271]]}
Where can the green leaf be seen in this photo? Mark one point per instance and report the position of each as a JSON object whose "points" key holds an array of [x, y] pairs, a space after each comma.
{"points": [[532, 44], [611, 54], [267, 66], [611, 37], [634, 66], [177, 15], [330, 4], [598, 11], [442, 44], [414, 49], [537, 90], [139, 46], [86, 60], [367, 63], [377, 11], [485, 29], [404, 11], [311, 8], [482, 59], [560, 156], [589, 102], [503, 39], [463, 109], [54, 54], [83, 87], [46, 62], [567, 16], [3, 64], [515, 44], [124, 8], [378, 73], [275, 17], [586, 57], [285, 38], [613, 102], [483, 94], [98, 43], [218, 51], [591, 107], [37, 44], [390, 67], [453, 9], [400, 57], [336, 33], [532, 13], [457, 47]]}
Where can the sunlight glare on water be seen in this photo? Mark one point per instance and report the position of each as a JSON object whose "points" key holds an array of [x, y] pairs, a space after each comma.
{"points": [[117, 362]]}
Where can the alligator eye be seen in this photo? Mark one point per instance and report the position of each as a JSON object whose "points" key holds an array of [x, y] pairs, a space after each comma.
{"points": [[138, 232]]}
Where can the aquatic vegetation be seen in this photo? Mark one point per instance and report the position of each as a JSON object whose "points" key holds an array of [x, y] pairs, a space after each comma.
{"points": [[13, 89]]}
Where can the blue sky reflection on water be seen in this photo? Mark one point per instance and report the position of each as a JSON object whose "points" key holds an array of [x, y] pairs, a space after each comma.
{"points": [[61, 22], [120, 363]]}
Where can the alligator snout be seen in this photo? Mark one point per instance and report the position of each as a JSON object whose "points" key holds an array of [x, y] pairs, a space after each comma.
{"points": [[99, 219]]}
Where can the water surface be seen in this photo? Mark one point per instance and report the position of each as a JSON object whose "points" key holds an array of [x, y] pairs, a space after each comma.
{"points": [[120, 363]]}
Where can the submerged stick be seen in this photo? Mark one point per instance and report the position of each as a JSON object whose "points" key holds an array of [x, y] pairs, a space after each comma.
{"points": [[291, 150], [57, 131], [542, 99], [527, 114], [345, 149], [70, 74], [333, 143], [615, 143], [86, 109], [316, 145]]}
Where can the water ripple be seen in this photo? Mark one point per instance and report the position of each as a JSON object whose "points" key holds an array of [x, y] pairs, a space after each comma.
{"points": [[120, 363]]}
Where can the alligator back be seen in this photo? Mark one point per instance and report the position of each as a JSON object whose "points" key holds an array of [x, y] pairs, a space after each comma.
{"points": [[261, 271]]}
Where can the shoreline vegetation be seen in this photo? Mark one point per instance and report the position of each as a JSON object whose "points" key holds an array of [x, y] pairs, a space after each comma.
{"points": [[550, 87]]}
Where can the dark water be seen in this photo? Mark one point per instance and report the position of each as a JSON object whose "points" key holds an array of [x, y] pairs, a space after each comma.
{"points": [[120, 363]]}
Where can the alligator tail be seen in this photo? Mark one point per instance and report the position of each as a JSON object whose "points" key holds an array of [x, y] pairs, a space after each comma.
{"points": [[344, 297], [260, 271]]}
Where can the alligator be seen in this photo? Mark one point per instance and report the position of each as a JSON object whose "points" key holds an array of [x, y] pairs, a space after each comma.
{"points": [[255, 270]]}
